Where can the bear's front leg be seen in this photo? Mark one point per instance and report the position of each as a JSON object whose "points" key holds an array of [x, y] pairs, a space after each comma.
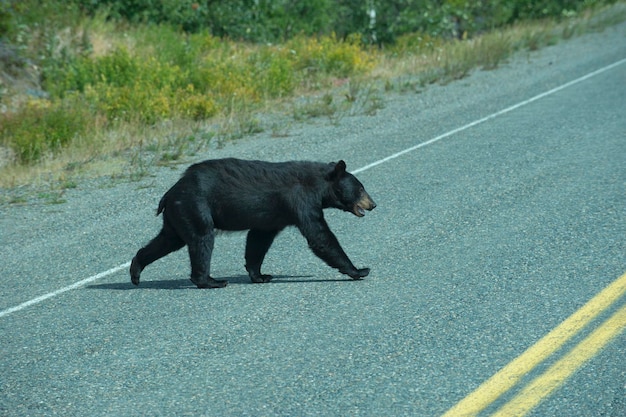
{"points": [[325, 245]]}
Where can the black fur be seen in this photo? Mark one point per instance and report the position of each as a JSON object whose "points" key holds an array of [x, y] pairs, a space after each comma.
{"points": [[262, 197]]}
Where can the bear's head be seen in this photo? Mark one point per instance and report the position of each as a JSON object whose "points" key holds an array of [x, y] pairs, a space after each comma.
{"points": [[348, 192]]}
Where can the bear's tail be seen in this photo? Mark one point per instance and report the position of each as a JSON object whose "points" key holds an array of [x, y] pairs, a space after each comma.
{"points": [[161, 205]]}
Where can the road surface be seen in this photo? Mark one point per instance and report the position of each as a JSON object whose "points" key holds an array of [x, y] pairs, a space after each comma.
{"points": [[497, 250]]}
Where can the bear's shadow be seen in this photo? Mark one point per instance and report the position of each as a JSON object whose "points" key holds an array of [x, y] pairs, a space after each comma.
{"points": [[183, 284]]}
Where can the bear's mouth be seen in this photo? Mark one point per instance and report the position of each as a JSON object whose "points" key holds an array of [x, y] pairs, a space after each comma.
{"points": [[358, 210], [365, 203]]}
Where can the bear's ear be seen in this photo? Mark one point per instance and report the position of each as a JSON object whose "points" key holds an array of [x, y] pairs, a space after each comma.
{"points": [[338, 170]]}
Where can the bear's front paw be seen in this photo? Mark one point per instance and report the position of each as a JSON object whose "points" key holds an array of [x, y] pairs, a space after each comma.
{"points": [[135, 271], [359, 273]]}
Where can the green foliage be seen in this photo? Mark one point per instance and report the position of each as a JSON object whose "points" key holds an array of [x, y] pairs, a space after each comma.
{"points": [[328, 55], [415, 43], [42, 128], [6, 18], [197, 77], [260, 20], [537, 9], [273, 72], [279, 20]]}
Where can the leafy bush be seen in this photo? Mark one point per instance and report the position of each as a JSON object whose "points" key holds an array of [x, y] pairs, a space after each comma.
{"points": [[150, 86], [261, 20], [328, 55], [6, 18], [42, 127]]}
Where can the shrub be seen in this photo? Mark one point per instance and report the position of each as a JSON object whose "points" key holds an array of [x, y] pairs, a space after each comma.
{"points": [[273, 71], [415, 43], [6, 18], [328, 55], [42, 128], [195, 106]]}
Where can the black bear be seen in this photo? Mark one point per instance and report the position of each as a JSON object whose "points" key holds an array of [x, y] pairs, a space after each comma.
{"points": [[262, 197]]}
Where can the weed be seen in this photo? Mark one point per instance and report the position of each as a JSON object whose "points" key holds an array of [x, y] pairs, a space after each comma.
{"points": [[280, 130], [52, 197], [139, 164], [237, 127], [363, 98], [311, 108], [20, 199], [456, 62], [533, 36], [415, 43], [491, 49], [54, 193]]}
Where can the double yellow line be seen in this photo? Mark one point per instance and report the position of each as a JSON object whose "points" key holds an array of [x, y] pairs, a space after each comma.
{"points": [[542, 386]]}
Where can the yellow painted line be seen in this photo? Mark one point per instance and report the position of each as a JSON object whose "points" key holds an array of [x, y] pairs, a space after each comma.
{"points": [[510, 375], [558, 373]]}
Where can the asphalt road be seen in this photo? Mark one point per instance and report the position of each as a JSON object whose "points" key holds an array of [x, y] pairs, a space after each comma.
{"points": [[482, 243]]}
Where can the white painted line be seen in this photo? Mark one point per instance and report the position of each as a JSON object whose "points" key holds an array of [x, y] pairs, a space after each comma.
{"points": [[75, 285], [92, 278], [491, 116]]}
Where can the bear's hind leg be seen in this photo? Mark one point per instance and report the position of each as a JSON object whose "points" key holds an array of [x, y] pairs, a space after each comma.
{"points": [[258, 243], [200, 250], [164, 243], [193, 223]]}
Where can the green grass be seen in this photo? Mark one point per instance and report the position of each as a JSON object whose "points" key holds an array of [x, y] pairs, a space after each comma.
{"points": [[122, 99]]}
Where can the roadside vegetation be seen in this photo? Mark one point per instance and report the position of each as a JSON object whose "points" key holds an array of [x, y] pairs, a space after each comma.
{"points": [[114, 87]]}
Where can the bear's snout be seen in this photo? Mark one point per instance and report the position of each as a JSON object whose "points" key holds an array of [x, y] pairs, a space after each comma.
{"points": [[364, 203]]}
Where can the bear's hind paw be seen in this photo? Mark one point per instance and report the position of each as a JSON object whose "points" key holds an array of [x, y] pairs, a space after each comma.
{"points": [[210, 283], [261, 279]]}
